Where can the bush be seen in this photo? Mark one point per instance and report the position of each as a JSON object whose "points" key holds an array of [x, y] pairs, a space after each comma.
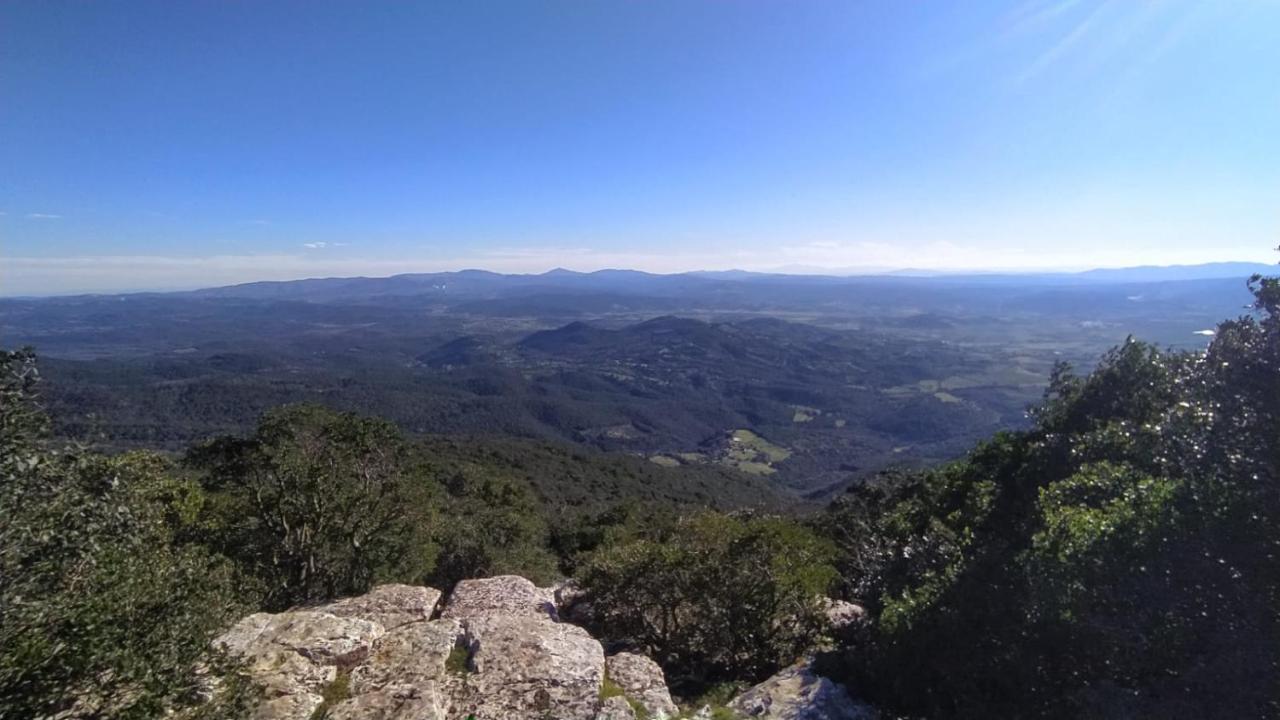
{"points": [[318, 504], [714, 597], [491, 525], [575, 536], [1117, 560], [103, 612]]}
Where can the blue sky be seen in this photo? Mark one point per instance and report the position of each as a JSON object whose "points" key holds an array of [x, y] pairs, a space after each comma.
{"points": [[177, 144]]}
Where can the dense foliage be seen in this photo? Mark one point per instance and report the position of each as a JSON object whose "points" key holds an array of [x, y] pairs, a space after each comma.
{"points": [[712, 597], [491, 525], [318, 504], [103, 611], [1121, 559], [167, 372], [117, 571]]}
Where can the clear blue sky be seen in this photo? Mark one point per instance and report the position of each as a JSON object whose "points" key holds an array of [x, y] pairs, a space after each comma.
{"points": [[171, 144]]}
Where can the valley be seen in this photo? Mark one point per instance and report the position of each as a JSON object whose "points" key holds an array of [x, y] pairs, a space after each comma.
{"points": [[809, 382]]}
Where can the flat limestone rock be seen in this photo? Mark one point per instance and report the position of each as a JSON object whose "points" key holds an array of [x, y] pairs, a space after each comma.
{"points": [[283, 672], [499, 653], [529, 667], [410, 655], [316, 636], [244, 634], [388, 605], [295, 655], [503, 595], [288, 707], [643, 681], [393, 702], [798, 693], [323, 638]]}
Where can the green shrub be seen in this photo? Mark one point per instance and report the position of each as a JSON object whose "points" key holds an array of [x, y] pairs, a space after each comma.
{"points": [[1116, 560], [714, 597], [490, 525], [319, 504], [104, 612], [458, 661]]}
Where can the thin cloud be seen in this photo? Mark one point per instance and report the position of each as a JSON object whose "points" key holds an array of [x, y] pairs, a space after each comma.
{"points": [[321, 245], [1178, 28], [1073, 38], [1118, 39], [1034, 15], [43, 216]]}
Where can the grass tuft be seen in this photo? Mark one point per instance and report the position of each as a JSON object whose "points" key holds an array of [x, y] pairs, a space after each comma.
{"points": [[459, 661], [336, 691]]}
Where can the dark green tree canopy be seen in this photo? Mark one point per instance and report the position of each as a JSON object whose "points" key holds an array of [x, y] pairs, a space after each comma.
{"points": [[712, 597], [318, 504], [104, 611], [1120, 559]]}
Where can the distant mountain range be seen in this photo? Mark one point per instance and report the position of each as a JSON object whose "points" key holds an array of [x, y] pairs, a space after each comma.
{"points": [[625, 284], [1141, 273], [807, 380]]}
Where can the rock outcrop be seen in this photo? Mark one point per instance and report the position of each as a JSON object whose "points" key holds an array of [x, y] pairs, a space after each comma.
{"points": [[405, 676], [531, 667], [496, 651], [296, 655], [643, 681], [842, 615], [504, 595], [798, 693], [388, 605]]}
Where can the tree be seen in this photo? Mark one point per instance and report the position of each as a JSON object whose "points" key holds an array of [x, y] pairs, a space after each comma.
{"points": [[714, 597], [1117, 560], [318, 504], [103, 613], [491, 525]]}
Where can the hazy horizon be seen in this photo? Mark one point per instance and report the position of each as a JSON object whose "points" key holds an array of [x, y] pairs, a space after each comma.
{"points": [[794, 270], [154, 146]]}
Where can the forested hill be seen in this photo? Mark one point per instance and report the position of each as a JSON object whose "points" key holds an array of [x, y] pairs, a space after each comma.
{"points": [[573, 481], [1114, 559], [808, 382]]}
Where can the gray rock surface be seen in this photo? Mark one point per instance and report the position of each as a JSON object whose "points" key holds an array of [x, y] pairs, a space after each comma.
{"points": [[798, 693], [388, 605], [414, 654], [843, 614], [616, 708], [394, 702], [499, 654], [643, 681], [295, 655], [528, 667], [503, 595], [301, 706]]}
